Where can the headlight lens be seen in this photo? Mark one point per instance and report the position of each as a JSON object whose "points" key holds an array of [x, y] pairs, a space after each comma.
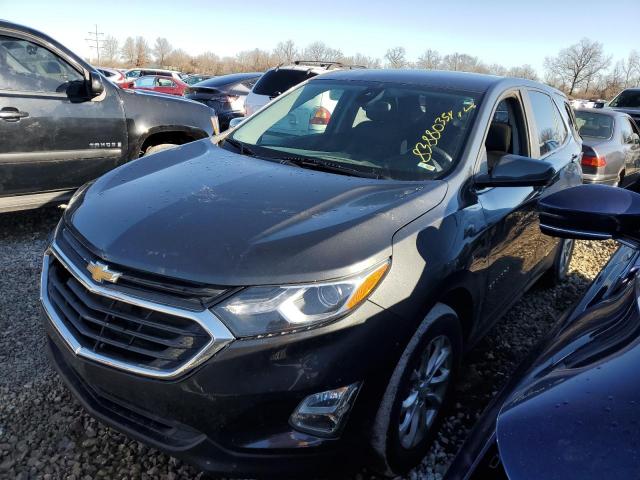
{"points": [[258, 311]]}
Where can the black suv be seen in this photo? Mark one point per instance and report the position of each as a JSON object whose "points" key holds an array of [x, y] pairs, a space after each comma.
{"points": [[284, 303], [62, 123]]}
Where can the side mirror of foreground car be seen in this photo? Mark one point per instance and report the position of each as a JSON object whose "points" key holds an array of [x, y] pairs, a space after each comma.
{"points": [[95, 85], [517, 171], [592, 212]]}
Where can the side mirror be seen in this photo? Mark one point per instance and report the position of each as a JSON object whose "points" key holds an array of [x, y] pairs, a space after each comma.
{"points": [[96, 87], [234, 122], [592, 212], [517, 171]]}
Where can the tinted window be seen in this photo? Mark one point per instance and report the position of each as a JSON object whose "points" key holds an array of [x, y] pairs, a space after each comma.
{"points": [[628, 98], [25, 66], [275, 82], [594, 125], [403, 132], [224, 80], [133, 74], [627, 131], [145, 82], [551, 130]]}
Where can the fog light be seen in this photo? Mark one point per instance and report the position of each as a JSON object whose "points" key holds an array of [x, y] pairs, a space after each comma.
{"points": [[323, 413]]}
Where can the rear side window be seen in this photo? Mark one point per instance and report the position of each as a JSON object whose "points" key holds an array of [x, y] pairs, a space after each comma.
{"points": [[165, 82], [627, 131], [275, 82], [25, 66], [628, 98], [551, 129]]}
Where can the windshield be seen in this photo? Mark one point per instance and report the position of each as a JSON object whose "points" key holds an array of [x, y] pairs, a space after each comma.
{"points": [[275, 82], [594, 125], [386, 129], [628, 98]]}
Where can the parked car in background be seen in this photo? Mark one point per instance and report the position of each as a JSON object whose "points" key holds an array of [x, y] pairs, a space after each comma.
{"points": [[195, 78], [160, 84], [135, 73], [570, 411], [113, 75], [62, 124], [280, 79], [610, 147], [225, 94], [628, 101], [208, 300]]}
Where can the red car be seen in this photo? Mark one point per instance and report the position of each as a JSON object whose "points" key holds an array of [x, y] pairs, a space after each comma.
{"points": [[161, 84]]}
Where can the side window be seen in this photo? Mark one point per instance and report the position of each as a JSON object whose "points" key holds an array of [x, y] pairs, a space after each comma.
{"points": [[133, 74], [507, 132], [165, 82], [571, 119], [145, 82], [551, 129], [25, 66], [627, 131]]}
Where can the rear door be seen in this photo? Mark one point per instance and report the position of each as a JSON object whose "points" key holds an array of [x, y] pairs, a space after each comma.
{"points": [[165, 85], [52, 139], [631, 148], [554, 140]]}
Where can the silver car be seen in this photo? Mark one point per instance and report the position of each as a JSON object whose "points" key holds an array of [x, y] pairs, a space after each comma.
{"points": [[611, 146]]}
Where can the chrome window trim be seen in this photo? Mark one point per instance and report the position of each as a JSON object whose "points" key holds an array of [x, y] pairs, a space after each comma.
{"points": [[220, 336]]}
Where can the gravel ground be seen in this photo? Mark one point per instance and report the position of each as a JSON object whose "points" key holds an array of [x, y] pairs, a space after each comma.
{"points": [[45, 434]]}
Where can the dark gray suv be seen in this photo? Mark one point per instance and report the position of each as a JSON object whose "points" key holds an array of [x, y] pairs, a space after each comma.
{"points": [[277, 303]]}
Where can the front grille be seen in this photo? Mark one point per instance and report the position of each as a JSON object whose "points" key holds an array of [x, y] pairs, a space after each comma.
{"points": [[179, 293], [122, 331]]}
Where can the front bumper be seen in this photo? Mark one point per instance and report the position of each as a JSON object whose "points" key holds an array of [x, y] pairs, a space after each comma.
{"points": [[231, 414]]}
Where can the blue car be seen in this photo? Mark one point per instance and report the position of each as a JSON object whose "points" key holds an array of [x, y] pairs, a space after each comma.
{"points": [[572, 411]]}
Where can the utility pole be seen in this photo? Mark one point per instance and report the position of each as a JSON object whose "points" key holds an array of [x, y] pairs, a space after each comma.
{"points": [[95, 38]]}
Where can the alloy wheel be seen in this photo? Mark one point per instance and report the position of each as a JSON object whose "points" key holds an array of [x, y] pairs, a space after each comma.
{"points": [[427, 386]]}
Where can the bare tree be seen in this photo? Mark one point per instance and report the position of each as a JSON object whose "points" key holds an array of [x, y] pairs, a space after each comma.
{"points": [[179, 59], [396, 57], [110, 51], [128, 51], [523, 71], [285, 52], [254, 60], [463, 62], [319, 51], [143, 53], [630, 69], [208, 62], [497, 69], [161, 49], [429, 60], [578, 64], [362, 60]]}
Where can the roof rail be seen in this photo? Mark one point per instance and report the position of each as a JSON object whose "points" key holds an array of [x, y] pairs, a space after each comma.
{"points": [[326, 64]]}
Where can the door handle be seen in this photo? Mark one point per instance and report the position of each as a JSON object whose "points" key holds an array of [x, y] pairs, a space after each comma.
{"points": [[11, 114]]}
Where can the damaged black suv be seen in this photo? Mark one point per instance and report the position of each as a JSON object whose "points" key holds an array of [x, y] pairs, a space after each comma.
{"points": [[274, 298]]}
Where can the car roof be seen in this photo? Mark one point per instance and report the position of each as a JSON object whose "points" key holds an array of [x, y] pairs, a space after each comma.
{"points": [[231, 78], [609, 112], [476, 82], [151, 69]]}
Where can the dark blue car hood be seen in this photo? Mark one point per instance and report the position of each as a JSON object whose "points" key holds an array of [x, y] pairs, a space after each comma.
{"points": [[577, 416], [201, 213]]}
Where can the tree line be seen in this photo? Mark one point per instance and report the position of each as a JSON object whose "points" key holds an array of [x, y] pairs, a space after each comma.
{"points": [[580, 70]]}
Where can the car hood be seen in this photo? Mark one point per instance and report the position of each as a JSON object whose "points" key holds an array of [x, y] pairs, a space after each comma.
{"points": [[578, 415], [200, 213]]}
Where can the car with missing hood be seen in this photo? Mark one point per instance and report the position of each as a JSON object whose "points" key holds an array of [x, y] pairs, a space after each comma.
{"points": [[570, 411], [264, 303]]}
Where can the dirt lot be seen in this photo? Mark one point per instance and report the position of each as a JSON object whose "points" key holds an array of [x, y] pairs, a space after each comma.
{"points": [[45, 434]]}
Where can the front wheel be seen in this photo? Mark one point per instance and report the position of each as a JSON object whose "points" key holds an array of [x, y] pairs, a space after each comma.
{"points": [[418, 392], [559, 271], [158, 148]]}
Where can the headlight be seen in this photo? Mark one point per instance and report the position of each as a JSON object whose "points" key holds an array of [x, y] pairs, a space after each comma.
{"points": [[258, 311]]}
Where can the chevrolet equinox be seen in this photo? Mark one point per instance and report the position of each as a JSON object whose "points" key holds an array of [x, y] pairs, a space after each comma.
{"points": [[267, 302]]}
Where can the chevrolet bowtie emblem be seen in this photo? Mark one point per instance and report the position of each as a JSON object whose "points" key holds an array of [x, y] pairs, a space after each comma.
{"points": [[101, 273]]}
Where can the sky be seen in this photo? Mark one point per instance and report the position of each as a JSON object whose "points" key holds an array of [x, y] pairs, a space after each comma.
{"points": [[505, 32]]}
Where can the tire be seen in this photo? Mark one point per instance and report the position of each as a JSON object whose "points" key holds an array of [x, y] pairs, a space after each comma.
{"points": [[396, 449], [559, 271], [158, 148]]}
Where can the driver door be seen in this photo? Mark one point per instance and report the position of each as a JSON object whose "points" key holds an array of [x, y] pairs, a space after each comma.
{"points": [[52, 141]]}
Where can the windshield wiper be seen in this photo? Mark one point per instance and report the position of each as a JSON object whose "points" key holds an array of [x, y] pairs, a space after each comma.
{"points": [[315, 164], [244, 150]]}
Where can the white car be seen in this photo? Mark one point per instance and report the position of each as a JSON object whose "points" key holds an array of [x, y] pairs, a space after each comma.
{"points": [[313, 115]]}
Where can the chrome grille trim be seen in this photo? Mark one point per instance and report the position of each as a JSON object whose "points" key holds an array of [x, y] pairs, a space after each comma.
{"points": [[219, 335]]}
